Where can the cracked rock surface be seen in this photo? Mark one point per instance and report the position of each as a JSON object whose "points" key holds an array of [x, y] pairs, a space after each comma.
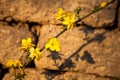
{"points": [[10, 38], [43, 11], [33, 74], [90, 51], [99, 54]]}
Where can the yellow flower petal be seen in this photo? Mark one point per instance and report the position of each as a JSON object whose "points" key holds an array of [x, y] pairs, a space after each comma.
{"points": [[53, 44], [69, 21], [13, 64], [35, 53], [26, 44], [61, 14], [103, 4]]}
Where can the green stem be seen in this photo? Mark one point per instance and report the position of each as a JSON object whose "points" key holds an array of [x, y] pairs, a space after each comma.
{"points": [[54, 37], [85, 17], [15, 74], [93, 11], [60, 33]]}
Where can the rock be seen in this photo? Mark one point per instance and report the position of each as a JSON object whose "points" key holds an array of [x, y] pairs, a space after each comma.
{"points": [[82, 49], [43, 11], [79, 76], [100, 19], [33, 74], [10, 38], [86, 53]]}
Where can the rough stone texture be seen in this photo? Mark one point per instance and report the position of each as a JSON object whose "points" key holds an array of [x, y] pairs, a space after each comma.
{"points": [[33, 74], [99, 55], [79, 76], [10, 38], [102, 18], [86, 53], [43, 11]]}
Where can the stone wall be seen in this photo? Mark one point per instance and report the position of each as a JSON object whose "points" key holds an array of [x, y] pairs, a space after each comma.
{"points": [[90, 51]]}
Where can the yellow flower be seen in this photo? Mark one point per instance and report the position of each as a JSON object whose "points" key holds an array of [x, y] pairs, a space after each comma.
{"points": [[61, 14], [13, 64], [66, 17], [69, 21], [26, 44], [53, 44], [35, 53], [103, 4]]}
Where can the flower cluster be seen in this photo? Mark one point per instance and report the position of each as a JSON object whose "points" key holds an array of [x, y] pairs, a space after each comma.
{"points": [[29, 47], [68, 21], [67, 18], [17, 66], [13, 64], [53, 44]]}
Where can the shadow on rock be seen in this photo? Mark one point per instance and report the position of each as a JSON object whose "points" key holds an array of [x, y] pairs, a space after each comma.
{"points": [[66, 64], [87, 29], [51, 74], [3, 71], [55, 56], [87, 56]]}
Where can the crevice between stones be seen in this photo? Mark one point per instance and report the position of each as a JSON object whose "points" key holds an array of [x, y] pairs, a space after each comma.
{"points": [[13, 22], [59, 72], [111, 26], [3, 71], [8, 20], [115, 22], [105, 76]]}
